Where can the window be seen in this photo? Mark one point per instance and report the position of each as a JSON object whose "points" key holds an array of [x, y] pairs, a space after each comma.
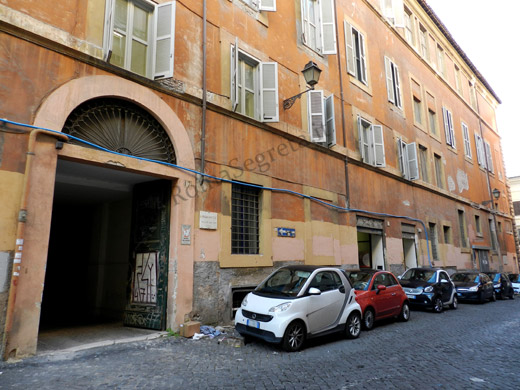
{"points": [[417, 110], [462, 229], [407, 154], [478, 226], [440, 60], [423, 43], [432, 114], [423, 156], [393, 10], [262, 5], [393, 84], [479, 146], [448, 127], [322, 128], [245, 221], [472, 95], [446, 230], [139, 36], [254, 86], [438, 170], [371, 143], [516, 207], [319, 25], [458, 84], [409, 27], [432, 230], [489, 157], [417, 102], [467, 144], [356, 61]]}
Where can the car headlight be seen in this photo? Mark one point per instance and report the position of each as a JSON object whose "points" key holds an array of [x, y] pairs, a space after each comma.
{"points": [[428, 289], [244, 301], [280, 308], [497, 285], [474, 288]]}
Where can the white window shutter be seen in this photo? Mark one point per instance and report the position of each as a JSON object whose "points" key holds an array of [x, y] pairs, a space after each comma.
{"points": [[109, 27], [446, 125], [363, 74], [401, 154], [397, 80], [478, 146], [330, 125], [267, 5], [398, 7], [305, 21], [361, 139], [489, 157], [378, 145], [269, 92], [413, 166], [451, 129], [234, 75], [389, 81], [316, 117], [164, 39], [328, 27], [351, 67]]}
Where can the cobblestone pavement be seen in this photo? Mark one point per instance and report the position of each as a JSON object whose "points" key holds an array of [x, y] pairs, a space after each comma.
{"points": [[474, 347]]}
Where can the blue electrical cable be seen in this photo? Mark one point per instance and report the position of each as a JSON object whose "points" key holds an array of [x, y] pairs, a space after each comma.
{"points": [[339, 208]]}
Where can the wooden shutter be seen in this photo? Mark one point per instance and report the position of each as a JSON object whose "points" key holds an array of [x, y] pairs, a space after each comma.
{"points": [[413, 166], [316, 117], [378, 145], [330, 125], [269, 92], [447, 131], [397, 81], [267, 5], [398, 8], [361, 139], [328, 27], [401, 155], [109, 27], [305, 21], [389, 81], [450, 128], [489, 157], [234, 75], [480, 150], [361, 43], [351, 66], [164, 39]]}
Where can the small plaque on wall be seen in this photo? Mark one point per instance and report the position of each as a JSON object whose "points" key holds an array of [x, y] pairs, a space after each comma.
{"points": [[186, 235], [286, 232], [208, 220]]}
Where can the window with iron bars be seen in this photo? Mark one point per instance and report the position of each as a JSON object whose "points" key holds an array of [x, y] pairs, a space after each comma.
{"points": [[245, 220]]}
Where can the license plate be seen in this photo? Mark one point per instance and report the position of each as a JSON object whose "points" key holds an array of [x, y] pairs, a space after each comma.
{"points": [[411, 296], [253, 323]]}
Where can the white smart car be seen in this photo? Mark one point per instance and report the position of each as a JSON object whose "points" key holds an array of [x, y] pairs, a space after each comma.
{"points": [[298, 302]]}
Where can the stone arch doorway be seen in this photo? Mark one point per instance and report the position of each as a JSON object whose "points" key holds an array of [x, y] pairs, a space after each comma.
{"points": [[48, 162]]}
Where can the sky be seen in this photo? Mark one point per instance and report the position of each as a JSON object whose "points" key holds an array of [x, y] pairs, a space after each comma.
{"points": [[488, 31]]}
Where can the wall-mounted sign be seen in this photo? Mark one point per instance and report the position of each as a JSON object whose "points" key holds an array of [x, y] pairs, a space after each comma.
{"points": [[186, 235], [286, 232], [208, 220]]}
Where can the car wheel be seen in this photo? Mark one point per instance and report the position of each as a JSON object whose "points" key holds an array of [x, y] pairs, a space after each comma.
{"points": [[493, 297], [294, 336], [353, 325], [455, 304], [502, 295], [405, 312], [437, 305], [368, 319]]}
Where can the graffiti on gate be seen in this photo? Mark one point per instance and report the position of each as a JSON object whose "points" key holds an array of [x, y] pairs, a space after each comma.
{"points": [[145, 278]]}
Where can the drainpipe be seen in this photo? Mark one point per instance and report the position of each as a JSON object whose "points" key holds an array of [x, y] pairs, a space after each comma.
{"points": [[343, 126], [20, 230], [204, 91]]}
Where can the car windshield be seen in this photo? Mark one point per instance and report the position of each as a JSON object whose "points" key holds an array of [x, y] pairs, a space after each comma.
{"points": [[495, 277], [515, 278], [284, 282], [360, 280], [420, 275], [465, 277]]}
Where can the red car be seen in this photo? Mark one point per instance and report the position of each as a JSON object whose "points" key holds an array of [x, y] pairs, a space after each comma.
{"points": [[380, 296]]}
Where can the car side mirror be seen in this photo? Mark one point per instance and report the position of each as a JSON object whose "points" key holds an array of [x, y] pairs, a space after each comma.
{"points": [[342, 289], [380, 287], [444, 281], [314, 291], [399, 277]]}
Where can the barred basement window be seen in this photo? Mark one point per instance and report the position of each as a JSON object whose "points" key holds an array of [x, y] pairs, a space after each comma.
{"points": [[245, 225]]}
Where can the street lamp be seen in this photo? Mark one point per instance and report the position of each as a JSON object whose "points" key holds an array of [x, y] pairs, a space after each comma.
{"points": [[496, 195], [311, 73]]}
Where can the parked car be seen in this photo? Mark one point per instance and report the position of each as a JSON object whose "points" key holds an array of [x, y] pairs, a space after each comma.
{"points": [[502, 284], [298, 302], [430, 288], [380, 296], [474, 285], [515, 281]]}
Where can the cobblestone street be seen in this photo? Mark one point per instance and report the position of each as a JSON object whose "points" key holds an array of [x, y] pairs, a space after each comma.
{"points": [[474, 347]]}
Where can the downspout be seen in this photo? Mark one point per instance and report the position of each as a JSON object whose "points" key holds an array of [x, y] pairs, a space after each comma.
{"points": [[494, 234], [20, 230], [204, 92], [343, 126]]}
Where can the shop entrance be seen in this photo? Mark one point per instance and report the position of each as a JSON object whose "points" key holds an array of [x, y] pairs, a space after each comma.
{"points": [[99, 266]]}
